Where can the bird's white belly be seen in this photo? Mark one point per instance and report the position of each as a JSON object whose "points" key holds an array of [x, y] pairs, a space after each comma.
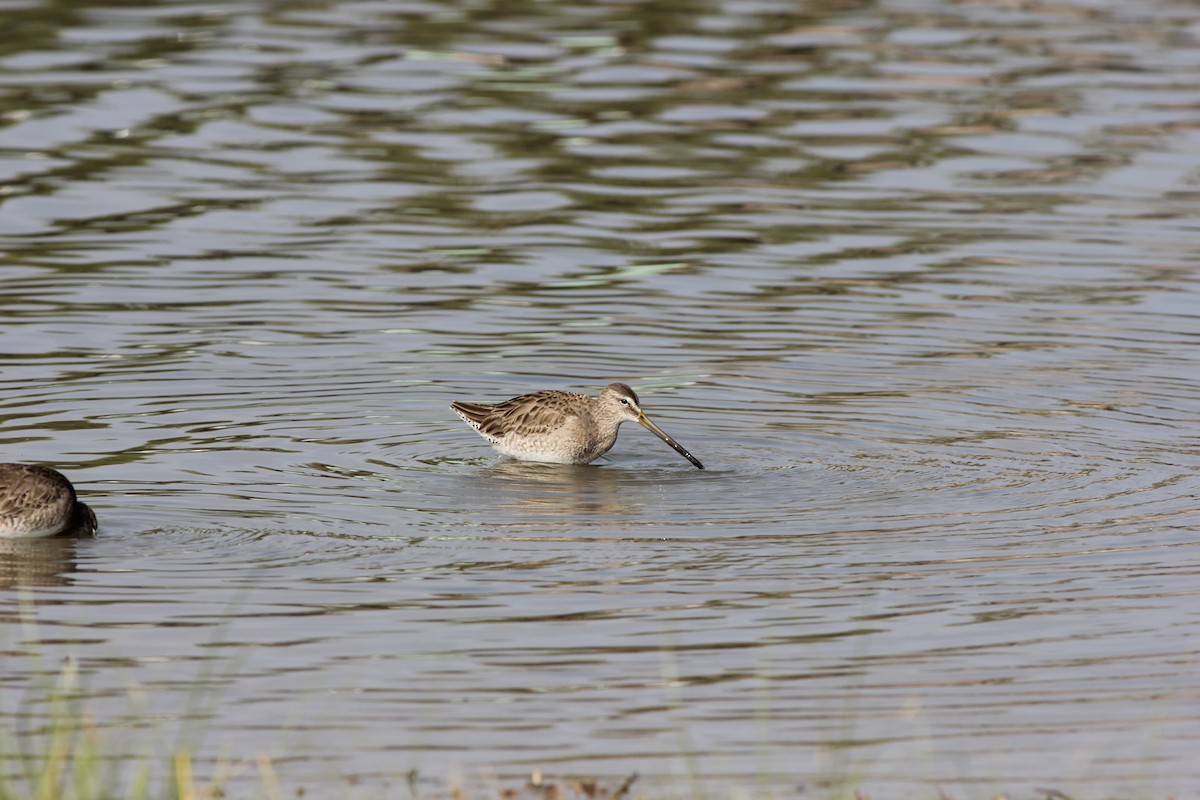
{"points": [[521, 448]]}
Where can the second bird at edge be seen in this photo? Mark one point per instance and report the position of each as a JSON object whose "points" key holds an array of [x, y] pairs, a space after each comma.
{"points": [[38, 502], [561, 427]]}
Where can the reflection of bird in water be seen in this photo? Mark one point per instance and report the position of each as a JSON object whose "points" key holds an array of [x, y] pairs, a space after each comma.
{"points": [[557, 491], [36, 502], [36, 562], [561, 427]]}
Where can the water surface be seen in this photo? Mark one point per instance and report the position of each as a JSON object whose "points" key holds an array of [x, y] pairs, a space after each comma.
{"points": [[915, 279]]}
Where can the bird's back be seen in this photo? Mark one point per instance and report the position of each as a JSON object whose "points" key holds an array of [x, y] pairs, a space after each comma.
{"points": [[34, 501]]}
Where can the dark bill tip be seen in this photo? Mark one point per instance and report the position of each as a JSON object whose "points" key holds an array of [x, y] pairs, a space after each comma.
{"points": [[676, 446]]}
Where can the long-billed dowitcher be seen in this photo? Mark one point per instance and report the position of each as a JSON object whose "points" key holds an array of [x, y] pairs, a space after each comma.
{"points": [[37, 502], [561, 427]]}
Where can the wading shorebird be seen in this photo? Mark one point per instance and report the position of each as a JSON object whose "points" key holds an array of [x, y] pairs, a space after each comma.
{"points": [[36, 502], [561, 427]]}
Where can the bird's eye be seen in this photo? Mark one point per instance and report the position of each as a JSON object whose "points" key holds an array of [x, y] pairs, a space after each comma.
{"points": [[624, 402]]}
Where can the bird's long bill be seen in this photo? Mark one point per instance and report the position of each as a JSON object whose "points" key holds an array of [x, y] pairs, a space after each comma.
{"points": [[676, 446]]}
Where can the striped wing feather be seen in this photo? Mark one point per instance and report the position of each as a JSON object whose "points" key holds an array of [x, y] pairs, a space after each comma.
{"points": [[34, 495], [532, 414]]}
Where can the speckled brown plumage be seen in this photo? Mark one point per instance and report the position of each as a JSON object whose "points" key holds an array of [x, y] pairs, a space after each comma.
{"points": [[560, 427], [38, 502]]}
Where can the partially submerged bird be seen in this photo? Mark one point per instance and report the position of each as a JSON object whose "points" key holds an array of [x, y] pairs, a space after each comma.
{"points": [[37, 502], [561, 427]]}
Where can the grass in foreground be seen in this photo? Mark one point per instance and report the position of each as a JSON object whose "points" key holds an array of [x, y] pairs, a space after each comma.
{"points": [[66, 755]]}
